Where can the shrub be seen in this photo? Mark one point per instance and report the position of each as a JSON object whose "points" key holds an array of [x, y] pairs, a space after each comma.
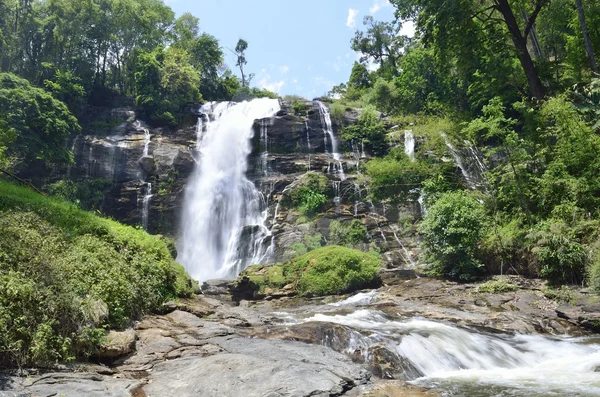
{"points": [[559, 256], [88, 194], [66, 275], [308, 195], [452, 232], [497, 285], [299, 106], [324, 271], [347, 234], [395, 177], [337, 112]]}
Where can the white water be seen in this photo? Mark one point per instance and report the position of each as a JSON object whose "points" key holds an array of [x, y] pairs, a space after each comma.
{"points": [[474, 171], [264, 145], [406, 254], [409, 144], [223, 223], [146, 205], [139, 126], [337, 199], [465, 362], [328, 133], [360, 299]]}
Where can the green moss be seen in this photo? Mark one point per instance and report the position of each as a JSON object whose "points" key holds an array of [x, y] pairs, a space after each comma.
{"points": [[323, 271], [66, 275]]}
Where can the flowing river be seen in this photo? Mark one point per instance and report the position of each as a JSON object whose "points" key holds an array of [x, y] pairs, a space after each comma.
{"points": [[462, 361]]}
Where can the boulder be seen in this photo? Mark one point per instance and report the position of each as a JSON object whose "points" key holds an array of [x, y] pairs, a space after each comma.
{"points": [[117, 344]]}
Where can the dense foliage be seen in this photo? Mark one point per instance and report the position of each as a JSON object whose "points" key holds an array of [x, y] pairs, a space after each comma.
{"points": [[66, 275], [35, 125], [503, 98], [452, 232], [88, 52], [323, 271]]}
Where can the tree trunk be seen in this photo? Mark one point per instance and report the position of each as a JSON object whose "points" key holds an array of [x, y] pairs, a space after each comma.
{"points": [[520, 42], [586, 36]]}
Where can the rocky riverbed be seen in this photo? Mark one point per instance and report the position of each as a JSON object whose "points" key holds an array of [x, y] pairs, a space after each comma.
{"points": [[333, 346]]}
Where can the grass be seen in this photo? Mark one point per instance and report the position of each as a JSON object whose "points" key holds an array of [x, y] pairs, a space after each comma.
{"points": [[67, 275]]}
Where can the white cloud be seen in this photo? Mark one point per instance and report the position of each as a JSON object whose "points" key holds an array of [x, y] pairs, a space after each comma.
{"points": [[408, 28], [378, 5], [351, 21], [284, 69], [370, 64], [270, 85]]}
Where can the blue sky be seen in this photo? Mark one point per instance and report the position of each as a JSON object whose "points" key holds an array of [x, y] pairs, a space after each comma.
{"points": [[297, 47]]}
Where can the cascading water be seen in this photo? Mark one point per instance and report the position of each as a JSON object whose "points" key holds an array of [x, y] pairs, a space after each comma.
{"points": [[139, 126], [223, 222], [308, 140], [328, 133], [468, 362], [406, 254], [473, 170], [337, 199], [146, 206], [409, 144], [264, 145]]}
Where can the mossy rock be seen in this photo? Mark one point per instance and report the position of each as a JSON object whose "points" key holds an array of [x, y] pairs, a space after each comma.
{"points": [[327, 270]]}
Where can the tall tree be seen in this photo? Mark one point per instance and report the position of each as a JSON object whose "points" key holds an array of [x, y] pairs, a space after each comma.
{"points": [[380, 42], [586, 37], [442, 21], [240, 51]]}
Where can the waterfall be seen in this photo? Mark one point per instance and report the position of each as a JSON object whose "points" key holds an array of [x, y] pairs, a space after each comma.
{"points": [[467, 362], [470, 163], [146, 206], [409, 144], [139, 126], [307, 139], [421, 201], [199, 128], [328, 133], [337, 199], [264, 145], [223, 221], [357, 198], [407, 255]]}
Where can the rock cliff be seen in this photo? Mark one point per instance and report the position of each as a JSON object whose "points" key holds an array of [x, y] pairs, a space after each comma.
{"points": [[145, 171]]}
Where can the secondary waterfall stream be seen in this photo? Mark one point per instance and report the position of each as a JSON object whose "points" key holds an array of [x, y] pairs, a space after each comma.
{"points": [[223, 223]]}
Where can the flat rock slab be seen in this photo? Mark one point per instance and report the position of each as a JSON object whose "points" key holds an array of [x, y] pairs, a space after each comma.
{"points": [[72, 385], [258, 368]]}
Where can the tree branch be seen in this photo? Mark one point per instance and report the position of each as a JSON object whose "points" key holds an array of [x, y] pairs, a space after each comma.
{"points": [[21, 180], [538, 7]]}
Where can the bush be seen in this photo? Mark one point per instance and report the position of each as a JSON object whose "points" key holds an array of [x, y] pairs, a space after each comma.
{"points": [[325, 271], [299, 107], [347, 234], [395, 177], [452, 232], [87, 194], [559, 256], [497, 285], [66, 275], [308, 195]]}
